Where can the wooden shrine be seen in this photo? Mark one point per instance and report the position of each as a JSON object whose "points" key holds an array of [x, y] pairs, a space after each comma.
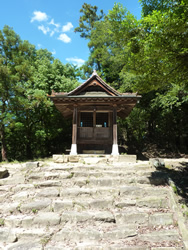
{"points": [[94, 107]]}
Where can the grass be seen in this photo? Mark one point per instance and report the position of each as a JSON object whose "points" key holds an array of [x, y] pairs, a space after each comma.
{"points": [[2, 222], [34, 210], [70, 176], [44, 241]]}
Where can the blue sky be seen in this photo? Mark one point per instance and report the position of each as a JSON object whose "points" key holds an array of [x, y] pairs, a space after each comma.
{"points": [[49, 24]]}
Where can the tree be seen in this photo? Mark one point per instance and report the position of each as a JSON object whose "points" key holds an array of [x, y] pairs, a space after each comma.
{"points": [[149, 56], [14, 69], [30, 126], [88, 19]]}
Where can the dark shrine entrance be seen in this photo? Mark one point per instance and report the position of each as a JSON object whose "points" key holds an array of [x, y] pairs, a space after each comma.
{"points": [[94, 107]]}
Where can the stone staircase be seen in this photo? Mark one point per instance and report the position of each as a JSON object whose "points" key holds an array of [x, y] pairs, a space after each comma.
{"points": [[85, 206]]}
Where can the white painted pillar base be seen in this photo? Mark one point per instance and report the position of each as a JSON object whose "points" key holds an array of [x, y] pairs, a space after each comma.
{"points": [[115, 150], [73, 149]]}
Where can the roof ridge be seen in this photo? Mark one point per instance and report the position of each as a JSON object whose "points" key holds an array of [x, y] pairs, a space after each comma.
{"points": [[94, 74]]}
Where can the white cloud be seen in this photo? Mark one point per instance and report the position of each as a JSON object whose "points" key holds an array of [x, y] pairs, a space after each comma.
{"points": [[67, 27], [57, 25], [52, 33], [45, 30], [64, 38], [53, 52], [39, 16], [76, 61]]}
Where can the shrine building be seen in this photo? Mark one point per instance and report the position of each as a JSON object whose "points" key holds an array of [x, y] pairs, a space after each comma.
{"points": [[94, 107]]}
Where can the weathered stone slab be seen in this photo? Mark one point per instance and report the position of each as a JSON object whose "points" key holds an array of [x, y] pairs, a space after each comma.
{"points": [[88, 235], [126, 203], [60, 206], [130, 190], [26, 245], [166, 248], [101, 203], [60, 158], [93, 160], [32, 164], [35, 176], [37, 205], [120, 233], [7, 235], [27, 221], [75, 216], [131, 218], [170, 235], [73, 158], [47, 219], [48, 192], [104, 216], [153, 202], [48, 183], [161, 219], [21, 195], [127, 158], [13, 221]]}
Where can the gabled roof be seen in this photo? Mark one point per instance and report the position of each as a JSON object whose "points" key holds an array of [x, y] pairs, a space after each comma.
{"points": [[106, 88], [95, 91]]}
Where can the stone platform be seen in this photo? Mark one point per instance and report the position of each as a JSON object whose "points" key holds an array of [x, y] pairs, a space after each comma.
{"points": [[94, 158]]}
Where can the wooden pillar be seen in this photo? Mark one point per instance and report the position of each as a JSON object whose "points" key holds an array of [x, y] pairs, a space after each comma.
{"points": [[74, 132], [115, 150]]}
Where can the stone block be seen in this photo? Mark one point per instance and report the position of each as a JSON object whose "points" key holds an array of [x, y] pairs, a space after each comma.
{"points": [[170, 235], [161, 219], [76, 216], [26, 245], [7, 235], [60, 206], [37, 205], [13, 221], [101, 203], [48, 192], [104, 216], [78, 236], [127, 158], [48, 183], [47, 219], [131, 218], [27, 221], [153, 202], [58, 158], [73, 158], [120, 233], [32, 164]]}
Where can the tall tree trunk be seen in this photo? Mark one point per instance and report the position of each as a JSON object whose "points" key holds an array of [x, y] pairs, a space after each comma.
{"points": [[3, 145], [2, 135]]}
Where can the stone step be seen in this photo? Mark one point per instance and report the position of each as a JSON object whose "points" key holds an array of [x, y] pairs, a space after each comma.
{"points": [[117, 218], [129, 236], [123, 167], [111, 202], [116, 181]]}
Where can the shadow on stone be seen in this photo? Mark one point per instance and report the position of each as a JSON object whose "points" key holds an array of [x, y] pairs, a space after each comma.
{"points": [[174, 175], [3, 173]]}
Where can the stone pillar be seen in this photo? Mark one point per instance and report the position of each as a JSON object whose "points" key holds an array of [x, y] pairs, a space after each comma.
{"points": [[74, 133], [115, 150]]}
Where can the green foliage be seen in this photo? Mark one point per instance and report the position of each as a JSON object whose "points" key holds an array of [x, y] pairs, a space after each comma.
{"points": [[148, 56], [30, 126], [88, 19]]}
